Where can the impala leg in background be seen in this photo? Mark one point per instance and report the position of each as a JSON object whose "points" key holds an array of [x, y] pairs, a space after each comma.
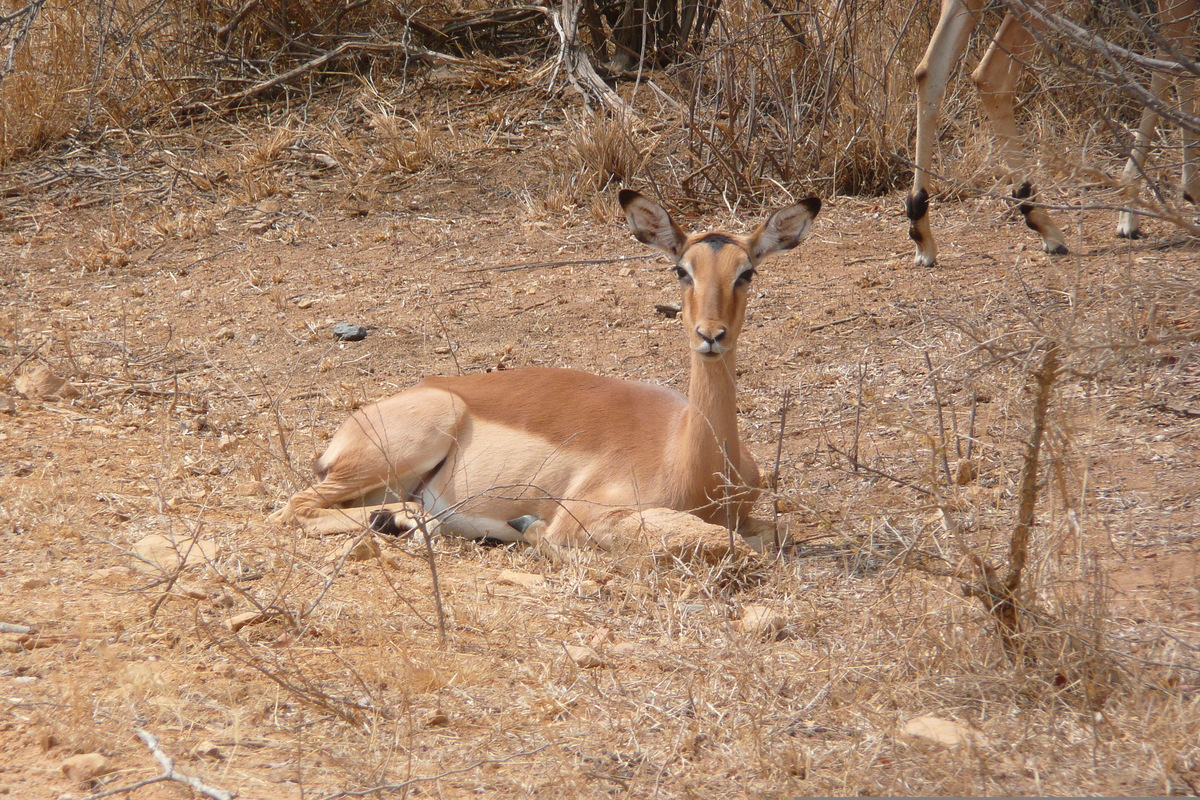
{"points": [[1178, 28], [1128, 223], [996, 79], [949, 40]]}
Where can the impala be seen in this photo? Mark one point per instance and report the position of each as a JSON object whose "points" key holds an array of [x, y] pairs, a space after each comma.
{"points": [[556, 455], [996, 78]]}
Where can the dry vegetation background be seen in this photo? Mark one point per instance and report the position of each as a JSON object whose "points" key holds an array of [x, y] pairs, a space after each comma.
{"points": [[192, 194]]}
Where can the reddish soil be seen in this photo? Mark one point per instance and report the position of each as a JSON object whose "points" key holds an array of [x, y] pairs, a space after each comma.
{"points": [[193, 313]]}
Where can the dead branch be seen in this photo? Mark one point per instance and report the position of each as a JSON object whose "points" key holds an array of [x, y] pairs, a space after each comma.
{"points": [[857, 465], [171, 774], [351, 46], [399, 787], [225, 30], [546, 264], [433, 573], [574, 60], [27, 15], [1000, 596]]}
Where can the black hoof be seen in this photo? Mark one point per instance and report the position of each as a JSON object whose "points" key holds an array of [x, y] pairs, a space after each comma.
{"points": [[1130, 235], [385, 522], [521, 524], [1059, 250]]}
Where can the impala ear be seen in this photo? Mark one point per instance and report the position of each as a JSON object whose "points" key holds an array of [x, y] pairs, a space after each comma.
{"points": [[784, 229], [651, 224]]}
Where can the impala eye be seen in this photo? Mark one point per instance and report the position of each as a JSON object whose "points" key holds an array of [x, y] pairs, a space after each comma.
{"points": [[683, 275], [744, 278]]}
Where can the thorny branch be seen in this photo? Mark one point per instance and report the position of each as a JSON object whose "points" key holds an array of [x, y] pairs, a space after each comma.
{"points": [[998, 595]]}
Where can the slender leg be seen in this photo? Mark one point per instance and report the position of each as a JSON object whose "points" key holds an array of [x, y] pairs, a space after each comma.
{"points": [[996, 78], [958, 18], [1189, 98], [1128, 221], [1177, 25]]}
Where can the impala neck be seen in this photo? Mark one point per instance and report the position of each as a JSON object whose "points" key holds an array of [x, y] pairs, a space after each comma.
{"points": [[710, 429]]}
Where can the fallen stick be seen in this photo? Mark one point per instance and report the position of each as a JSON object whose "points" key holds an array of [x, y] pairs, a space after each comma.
{"points": [[169, 773], [546, 264]]}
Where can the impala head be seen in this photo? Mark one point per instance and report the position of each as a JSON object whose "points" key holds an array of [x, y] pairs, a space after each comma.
{"points": [[715, 269]]}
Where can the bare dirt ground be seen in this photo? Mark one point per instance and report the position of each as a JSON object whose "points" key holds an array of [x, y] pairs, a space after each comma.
{"points": [[186, 283]]}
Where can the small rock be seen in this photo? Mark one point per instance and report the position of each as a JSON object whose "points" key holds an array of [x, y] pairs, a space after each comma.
{"points": [[85, 767], [761, 621], [438, 720], [251, 489], [308, 303], [12, 642], [158, 552], [224, 669], [623, 650], [584, 656], [668, 310], [362, 549], [225, 334], [942, 731], [442, 350], [35, 583], [600, 637], [261, 226], [110, 574], [624, 272], [513, 578], [656, 536], [236, 623], [207, 749], [40, 383], [270, 206], [349, 332], [7, 406], [966, 472], [193, 592]]}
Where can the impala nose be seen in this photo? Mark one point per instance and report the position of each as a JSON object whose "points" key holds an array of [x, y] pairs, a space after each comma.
{"points": [[711, 344]]}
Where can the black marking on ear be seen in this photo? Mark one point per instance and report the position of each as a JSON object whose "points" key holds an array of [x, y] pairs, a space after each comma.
{"points": [[916, 206], [1188, 197], [813, 204], [384, 521], [644, 238], [521, 524], [627, 196]]}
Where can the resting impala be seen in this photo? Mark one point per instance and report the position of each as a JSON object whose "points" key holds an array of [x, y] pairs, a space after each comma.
{"points": [[556, 455], [996, 78]]}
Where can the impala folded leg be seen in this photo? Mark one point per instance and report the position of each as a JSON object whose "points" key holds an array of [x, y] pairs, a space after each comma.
{"points": [[394, 446]]}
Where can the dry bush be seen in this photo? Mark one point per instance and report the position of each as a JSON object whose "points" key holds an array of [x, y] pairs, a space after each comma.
{"points": [[606, 150], [40, 100], [781, 101]]}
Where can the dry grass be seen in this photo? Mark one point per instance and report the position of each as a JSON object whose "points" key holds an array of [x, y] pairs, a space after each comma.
{"points": [[192, 307]]}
